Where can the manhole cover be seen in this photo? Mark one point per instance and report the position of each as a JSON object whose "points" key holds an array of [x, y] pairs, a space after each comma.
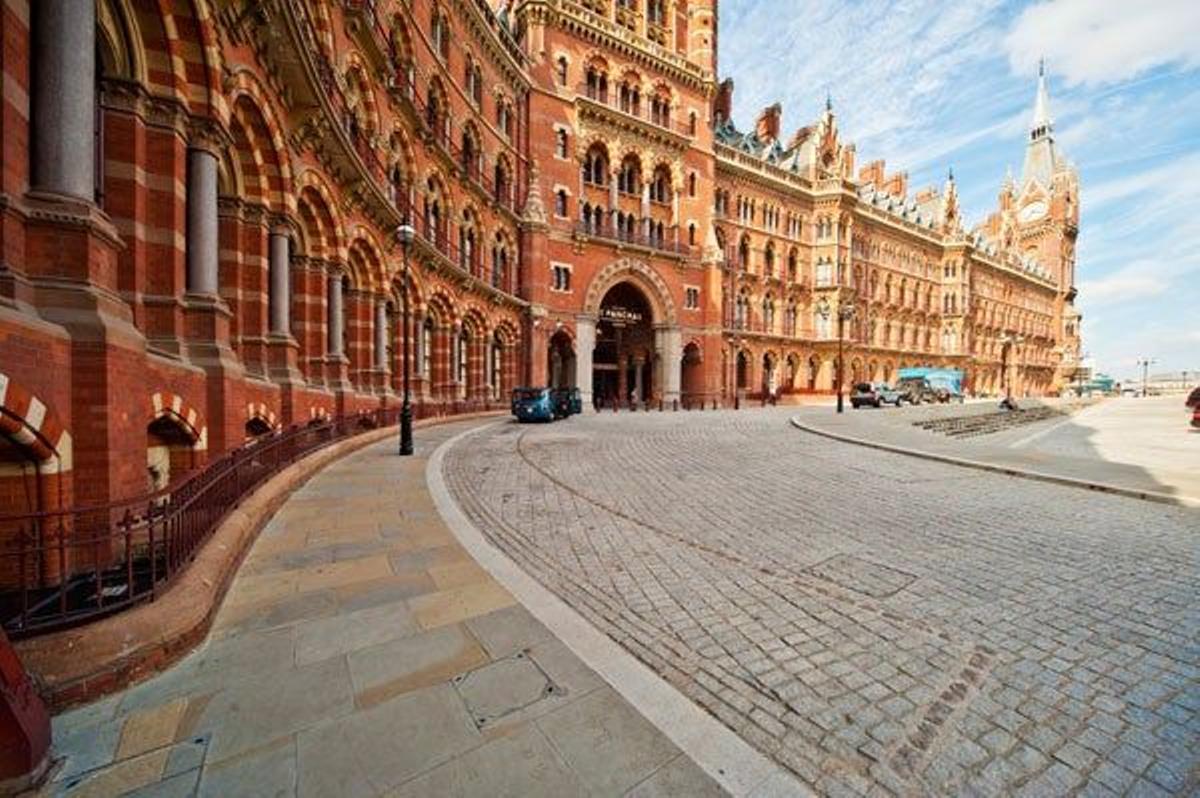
{"points": [[503, 687]]}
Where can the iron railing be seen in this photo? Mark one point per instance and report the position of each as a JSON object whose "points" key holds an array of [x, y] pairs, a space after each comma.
{"points": [[60, 568]]}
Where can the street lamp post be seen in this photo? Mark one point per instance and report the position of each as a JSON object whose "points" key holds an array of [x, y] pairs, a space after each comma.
{"points": [[845, 313], [1145, 364], [405, 233], [1006, 341]]}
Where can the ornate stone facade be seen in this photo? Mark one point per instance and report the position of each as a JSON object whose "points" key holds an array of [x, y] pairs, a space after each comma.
{"points": [[199, 228]]}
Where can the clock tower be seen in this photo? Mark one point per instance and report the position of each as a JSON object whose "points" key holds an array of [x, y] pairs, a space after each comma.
{"points": [[1046, 223]]}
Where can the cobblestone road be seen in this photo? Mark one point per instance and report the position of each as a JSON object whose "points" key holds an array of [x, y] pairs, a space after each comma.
{"points": [[877, 623]]}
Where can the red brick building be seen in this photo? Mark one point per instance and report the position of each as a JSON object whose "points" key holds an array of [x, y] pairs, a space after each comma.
{"points": [[200, 201]]}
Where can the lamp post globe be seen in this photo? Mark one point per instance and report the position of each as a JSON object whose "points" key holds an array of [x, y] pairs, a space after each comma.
{"points": [[405, 235]]}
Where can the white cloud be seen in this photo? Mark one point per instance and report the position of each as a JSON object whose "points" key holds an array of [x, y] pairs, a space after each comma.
{"points": [[882, 90], [1177, 177], [1124, 286], [1101, 41]]}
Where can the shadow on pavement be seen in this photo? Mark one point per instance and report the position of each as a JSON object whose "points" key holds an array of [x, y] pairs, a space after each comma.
{"points": [[1143, 446]]}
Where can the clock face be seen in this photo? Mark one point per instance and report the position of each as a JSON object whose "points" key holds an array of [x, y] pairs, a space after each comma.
{"points": [[1034, 210]]}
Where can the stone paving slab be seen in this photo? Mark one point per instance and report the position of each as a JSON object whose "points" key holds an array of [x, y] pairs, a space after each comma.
{"points": [[337, 665], [878, 624]]}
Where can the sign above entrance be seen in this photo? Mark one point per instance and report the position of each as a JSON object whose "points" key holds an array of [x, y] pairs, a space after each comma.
{"points": [[620, 315]]}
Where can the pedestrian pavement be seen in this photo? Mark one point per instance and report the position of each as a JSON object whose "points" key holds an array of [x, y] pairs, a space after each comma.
{"points": [[1076, 447], [359, 652]]}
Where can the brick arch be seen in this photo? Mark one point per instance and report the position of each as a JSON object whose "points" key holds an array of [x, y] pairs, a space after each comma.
{"points": [[584, 143], [118, 27], [673, 167], [34, 426], [658, 294], [416, 291], [315, 191], [509, 332], [625, 148], [189, 74], [259, 411], [165, 404], [399, 39], [478, 320], [355, 68], [366, 263], [442, 303], [253, 109], [402, 153], [324, 28]]}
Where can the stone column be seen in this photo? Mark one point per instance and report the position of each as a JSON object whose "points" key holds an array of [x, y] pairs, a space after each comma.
{"points": [[645, 223], [279, 300], [675, 217], [622, 379], [585, 343], [202, 235], [613, 201], [668, 341], [335, 317], [639, 363], [381, 332], [63, 69]]}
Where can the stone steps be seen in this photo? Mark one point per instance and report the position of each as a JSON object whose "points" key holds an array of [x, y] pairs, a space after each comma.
{"points": [[988, 423]]}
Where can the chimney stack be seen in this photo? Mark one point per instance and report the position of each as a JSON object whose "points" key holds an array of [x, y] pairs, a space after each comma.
{"points": [[767, 126]]}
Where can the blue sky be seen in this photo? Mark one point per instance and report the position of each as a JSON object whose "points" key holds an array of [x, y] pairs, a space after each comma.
{"points": [[930, 85]]}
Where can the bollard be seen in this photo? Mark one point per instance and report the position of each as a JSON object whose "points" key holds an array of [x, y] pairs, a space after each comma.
{"points": [[675, 406]]}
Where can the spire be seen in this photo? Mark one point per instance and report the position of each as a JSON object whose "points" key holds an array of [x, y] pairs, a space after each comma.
{"points": [[1041, 160], [828, 101], [1041, 105]]}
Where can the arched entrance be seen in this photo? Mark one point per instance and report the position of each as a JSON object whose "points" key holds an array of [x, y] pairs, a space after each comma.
{"points": [[561, 356], [623, 360], [768, 374], [743, 371], [627, 339]]}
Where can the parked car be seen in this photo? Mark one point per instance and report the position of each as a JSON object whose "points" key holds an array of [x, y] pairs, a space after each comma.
{"points": [[874, 394], [567, 402], [532, 404], [1193, 400], [916, 390]]}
